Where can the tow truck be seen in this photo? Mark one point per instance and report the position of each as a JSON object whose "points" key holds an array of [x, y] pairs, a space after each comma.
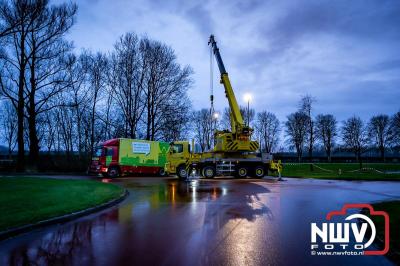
{"points": [[234, 153]]}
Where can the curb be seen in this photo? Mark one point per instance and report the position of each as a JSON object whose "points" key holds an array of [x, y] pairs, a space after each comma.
{"points": [[60, 219]]}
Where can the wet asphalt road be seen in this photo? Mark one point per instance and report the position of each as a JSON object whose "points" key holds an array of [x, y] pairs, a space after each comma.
{"points": [[202, 222]]}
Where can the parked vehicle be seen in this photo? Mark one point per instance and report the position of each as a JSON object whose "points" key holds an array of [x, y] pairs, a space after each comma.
{"points": [[121, 156]]}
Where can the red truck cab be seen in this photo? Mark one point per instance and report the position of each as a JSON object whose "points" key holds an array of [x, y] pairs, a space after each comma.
{"points": [[105, 159]]}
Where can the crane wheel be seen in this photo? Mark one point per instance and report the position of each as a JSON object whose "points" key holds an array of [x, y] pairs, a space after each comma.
{"points": [[208, 172], [242, 172], [182, 172], [259, 171]]}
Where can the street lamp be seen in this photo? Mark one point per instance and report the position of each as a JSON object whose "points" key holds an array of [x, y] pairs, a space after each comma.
{"points": [[216, 116], [248, 97]]}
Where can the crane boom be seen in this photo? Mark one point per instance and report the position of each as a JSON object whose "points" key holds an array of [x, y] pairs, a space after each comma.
{"points": [[236, 117], [234, 153]]}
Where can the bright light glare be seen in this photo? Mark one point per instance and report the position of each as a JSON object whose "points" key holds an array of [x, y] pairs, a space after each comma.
{"points": [[247, 97], [216, 115]]}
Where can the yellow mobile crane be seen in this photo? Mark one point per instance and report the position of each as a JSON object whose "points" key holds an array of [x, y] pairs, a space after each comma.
{"points": [[234, 152]]}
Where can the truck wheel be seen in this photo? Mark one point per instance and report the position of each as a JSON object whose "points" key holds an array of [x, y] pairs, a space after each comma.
{"points": [[162, 172], [259, 171], [242, 172], [208, 172], [182, 172], [113, 172]]}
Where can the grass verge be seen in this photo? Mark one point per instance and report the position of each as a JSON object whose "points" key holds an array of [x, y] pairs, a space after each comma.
{"points": [[26, 200], [393, 209], [343, 171]]}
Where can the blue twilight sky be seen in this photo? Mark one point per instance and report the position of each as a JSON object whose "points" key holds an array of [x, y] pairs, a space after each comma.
{"points": [[344, 53]]}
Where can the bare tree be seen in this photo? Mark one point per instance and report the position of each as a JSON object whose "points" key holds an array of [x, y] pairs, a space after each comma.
{"points": [[326, 132], [354, 136], [165, 79], [379, 133], [395, 126], [305, 106], [108, 116], [267, 127], [202, 123], [50, 125], [128, 72], [65, 126], [8, 25], [247, 116], [296, 131], [35, 27], [78, 95], [66, 103], [226, 118], [47, 63], [176, 119], [148, 85], [96, 68], [17, 19], [9, 126]]}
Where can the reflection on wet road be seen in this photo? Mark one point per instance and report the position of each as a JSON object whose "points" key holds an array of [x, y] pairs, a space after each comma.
{"points": [[164, 221]]}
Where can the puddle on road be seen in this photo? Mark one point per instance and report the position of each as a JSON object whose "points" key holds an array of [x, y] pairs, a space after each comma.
{"points": [[174, 191]]}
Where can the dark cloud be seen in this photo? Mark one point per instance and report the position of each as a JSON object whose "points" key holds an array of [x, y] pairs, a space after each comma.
{"points": [[357, 19], [194, 11], [361, 21], [201, 18]]}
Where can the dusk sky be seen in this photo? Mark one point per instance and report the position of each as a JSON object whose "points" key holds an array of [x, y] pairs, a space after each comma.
{"points": [[344, 53]]}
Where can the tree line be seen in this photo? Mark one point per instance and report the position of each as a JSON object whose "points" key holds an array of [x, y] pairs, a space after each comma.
{"points": [[55, 99], [303, 131]]}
